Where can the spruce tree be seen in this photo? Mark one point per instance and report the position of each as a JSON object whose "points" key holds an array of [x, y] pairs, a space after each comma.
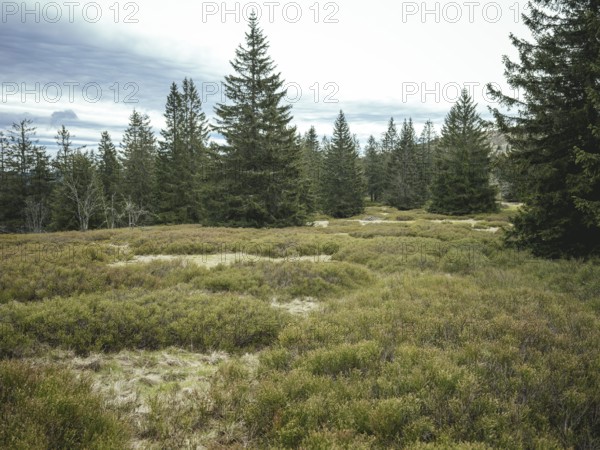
{"points": [[109, 173], [3, 154], [461, 183], [374, 170], [554, 128], [342, 185], [4, 182], [37, 202], [26, 181], [194, 154], [63, 210], [170, 145], [138, 159], [404, 185], [426, 151], [312, 156], [182, 155], [390, 139], [262, 181]]}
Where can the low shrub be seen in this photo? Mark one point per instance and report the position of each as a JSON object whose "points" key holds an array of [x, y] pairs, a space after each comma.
{"points": [[48, 407], [164, 318]]}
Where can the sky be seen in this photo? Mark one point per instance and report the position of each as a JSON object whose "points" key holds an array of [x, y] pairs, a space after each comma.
{"points": [[87, 65]]}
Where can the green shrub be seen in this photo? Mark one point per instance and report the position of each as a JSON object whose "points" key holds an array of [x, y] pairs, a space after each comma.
{"points": [[148, 321], [342, 359], [47, 407]]}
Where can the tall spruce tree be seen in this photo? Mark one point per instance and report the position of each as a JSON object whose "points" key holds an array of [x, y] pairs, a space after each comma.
{"points": [[404, 185], [63, 209], [182, 155], [138, 158], [169, 146], [26, 183], [312, 156], [342, 184], [427, 144], [461, 183], [262, 183], [194, 155], [390, 139], [37, 202], [109, 173], [3, 155], [4, 177], [374, 170], [555, 135]]}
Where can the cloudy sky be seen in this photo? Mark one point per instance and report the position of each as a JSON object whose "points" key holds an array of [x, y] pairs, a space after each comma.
{"points": [[88, 64]]}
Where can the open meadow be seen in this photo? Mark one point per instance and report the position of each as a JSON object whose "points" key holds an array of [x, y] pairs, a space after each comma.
{"points": [[386, 330]]}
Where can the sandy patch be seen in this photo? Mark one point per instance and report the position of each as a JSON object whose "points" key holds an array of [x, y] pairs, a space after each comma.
{"points": [[210, 261], [321, 224], [298, 306], [471, 222], [487, 230], [373, 221]]}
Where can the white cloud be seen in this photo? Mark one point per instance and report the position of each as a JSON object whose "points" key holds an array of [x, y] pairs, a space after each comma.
{"points": [[380, 59]]}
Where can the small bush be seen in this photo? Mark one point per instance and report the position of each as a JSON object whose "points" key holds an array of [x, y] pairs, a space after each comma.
{"points": [[47, 407], [133, 321], [341, 360]]}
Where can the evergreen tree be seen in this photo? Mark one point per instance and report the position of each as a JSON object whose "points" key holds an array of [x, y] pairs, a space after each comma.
{"points": [[404, 185], [555, 137], [342, 184], [166, 168], [4, 181], [263, 182], [37, 208], [374, 170], [138, 159], [325, 143], [182, 155], [426, 152], [3, 153], [109, 168], [26, 179], [65, 152], [63, 209], [194, 155], [461, 182], [390, 139], [312, 156], [109, 173], [389, 143], [3, 150]]}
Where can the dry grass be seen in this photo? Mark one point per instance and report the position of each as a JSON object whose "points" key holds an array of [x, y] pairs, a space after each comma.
{"points": [[394, 329]]}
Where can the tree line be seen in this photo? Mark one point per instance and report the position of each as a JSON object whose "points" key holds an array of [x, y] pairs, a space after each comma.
{"points": [[266, 174], [182, 178]]}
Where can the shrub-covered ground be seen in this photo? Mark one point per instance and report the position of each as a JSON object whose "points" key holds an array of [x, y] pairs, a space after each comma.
{"points": [[391, 329]]}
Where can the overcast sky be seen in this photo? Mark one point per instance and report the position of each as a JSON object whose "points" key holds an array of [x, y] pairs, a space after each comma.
{"points": [[88, 64]]}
